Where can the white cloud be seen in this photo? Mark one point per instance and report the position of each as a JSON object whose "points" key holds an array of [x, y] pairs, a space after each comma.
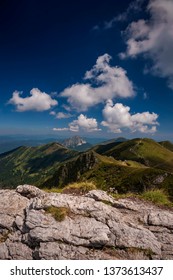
{"points": [[118, 117], [84, 123], [52, 113], [66, 107], [61, 129], [62, 115], [153, 38], [105, 82], [38, 101], [81, 123]]}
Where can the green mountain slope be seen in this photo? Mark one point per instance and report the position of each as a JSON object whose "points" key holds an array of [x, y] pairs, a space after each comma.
{"points": [[104, 148], [145, 151], [111, 175], [31, 164], [167, 144], [132, 166]]}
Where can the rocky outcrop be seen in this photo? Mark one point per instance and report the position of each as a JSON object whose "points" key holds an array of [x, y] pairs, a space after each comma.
{"points": [[96, 226], [73, 170], [73, 142]]}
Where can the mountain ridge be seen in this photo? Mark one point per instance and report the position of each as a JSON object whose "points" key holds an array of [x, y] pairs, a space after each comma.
{"points": [[133, 165]]}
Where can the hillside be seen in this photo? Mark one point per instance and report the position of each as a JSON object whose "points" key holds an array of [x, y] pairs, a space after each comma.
{"points": [[111, 175], [167, 144], [31, 164], [132, 166], [114, 140], [145, 151]]}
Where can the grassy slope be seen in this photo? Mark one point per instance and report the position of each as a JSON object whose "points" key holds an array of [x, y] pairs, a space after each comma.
{"points": [[145, 151], [123, 178], [167, 144], [140, 164], [31, 164]]}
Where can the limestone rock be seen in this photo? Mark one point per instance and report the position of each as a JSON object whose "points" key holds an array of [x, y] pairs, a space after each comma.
{"points": [[11, 205], [4, 254], [100, 195], [29, 191], [18, 251], [159, 218], [96, 226]]}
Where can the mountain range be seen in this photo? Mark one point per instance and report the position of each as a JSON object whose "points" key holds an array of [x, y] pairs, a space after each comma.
{"points": [[118, 166], [10, 142]]}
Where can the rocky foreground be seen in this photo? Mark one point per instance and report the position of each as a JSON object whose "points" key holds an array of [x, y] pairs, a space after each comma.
{"points": [[95, 227]]}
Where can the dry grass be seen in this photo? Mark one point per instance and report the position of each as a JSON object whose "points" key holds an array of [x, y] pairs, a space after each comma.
{"points": [[54, 190], [79, 188]]}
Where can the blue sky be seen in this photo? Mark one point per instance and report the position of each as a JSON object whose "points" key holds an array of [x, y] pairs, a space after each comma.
{"points": [[94, 68]]}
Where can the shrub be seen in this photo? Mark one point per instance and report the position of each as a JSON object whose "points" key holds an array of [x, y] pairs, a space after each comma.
{"points": [[58, 213], [79, 188]]}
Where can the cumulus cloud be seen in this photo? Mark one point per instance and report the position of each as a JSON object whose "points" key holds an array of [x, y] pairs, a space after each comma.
{"points": [[81, 123], [153, 38], [104, 82], [37, 101], [118, 117]]}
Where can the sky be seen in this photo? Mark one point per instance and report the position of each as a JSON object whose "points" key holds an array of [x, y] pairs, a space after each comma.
{"points": [[91, 68]]}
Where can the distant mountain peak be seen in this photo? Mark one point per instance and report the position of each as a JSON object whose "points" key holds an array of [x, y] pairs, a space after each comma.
{"points": [[73, 142]]}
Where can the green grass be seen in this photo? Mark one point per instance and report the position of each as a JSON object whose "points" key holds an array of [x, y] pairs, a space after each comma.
{"points": [[167, 144], [58, 213], [158, 197], [145, 151]]}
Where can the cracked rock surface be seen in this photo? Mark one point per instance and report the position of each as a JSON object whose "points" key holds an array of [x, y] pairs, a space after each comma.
{"points": [[96, 226]]}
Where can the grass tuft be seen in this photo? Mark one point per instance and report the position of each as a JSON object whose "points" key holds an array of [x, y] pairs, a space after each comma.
{"points": [[157, 197], [79, 188], [58, 213], [123, 195], [4, 236]]}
